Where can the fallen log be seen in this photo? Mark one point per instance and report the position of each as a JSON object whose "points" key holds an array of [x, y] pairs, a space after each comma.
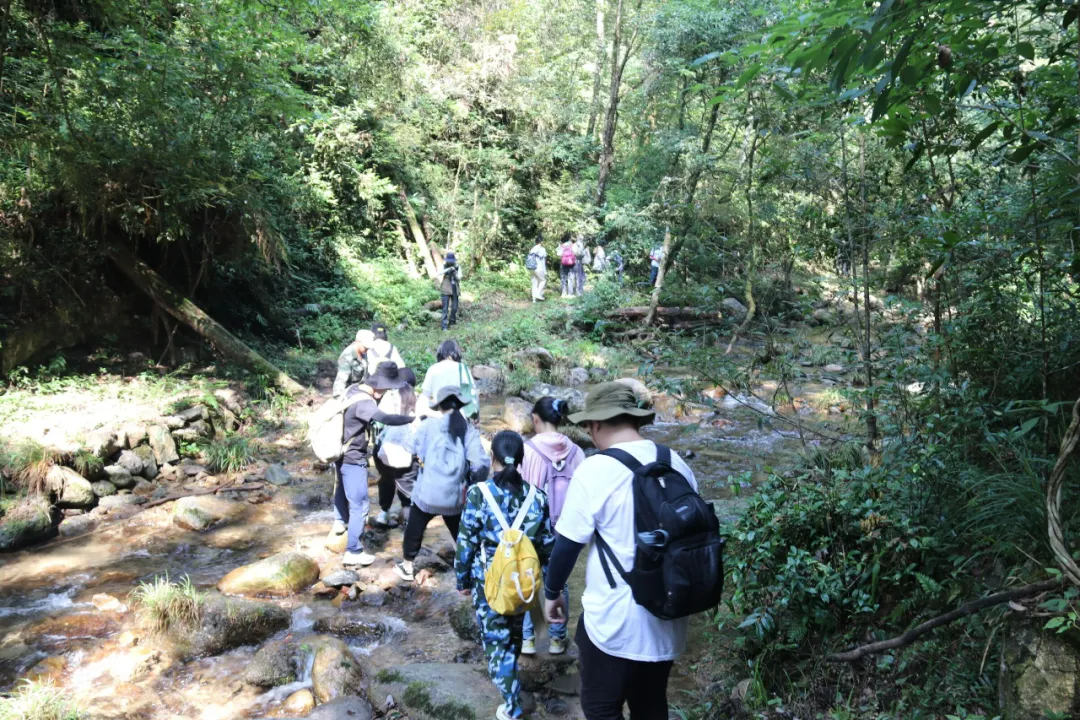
{"points": [[203, 491], [188, 313], [671, 314]]}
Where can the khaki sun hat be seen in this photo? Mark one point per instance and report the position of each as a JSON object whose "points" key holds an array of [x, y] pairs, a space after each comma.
{"points": [[609, 400], [365, 338], [447, 391]]}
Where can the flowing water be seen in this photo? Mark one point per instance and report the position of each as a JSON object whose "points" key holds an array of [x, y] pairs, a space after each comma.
{"points": [[56, 623]]}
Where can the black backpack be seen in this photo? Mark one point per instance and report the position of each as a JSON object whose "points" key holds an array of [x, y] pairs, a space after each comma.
{"points": [[679, 561]]}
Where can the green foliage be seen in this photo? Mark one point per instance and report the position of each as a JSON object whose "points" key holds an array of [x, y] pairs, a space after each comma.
{"points": [[38, 701], [230, 454], [27, 463], [86, 463], [418, 696], [163, 605]]}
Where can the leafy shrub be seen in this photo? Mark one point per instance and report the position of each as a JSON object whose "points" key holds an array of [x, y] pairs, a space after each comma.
{"points": [[162, 604], [38, 701], [231, 454], [594, 308]]}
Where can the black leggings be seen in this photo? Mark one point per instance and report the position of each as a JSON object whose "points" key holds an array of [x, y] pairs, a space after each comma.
{"points": [[388, 484], [607, 682], [417, 524]]}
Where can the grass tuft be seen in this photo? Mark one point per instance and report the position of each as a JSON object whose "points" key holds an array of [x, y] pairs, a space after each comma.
{"points": [[163, 604], [38, 701], [230, 454], [28, 465]]}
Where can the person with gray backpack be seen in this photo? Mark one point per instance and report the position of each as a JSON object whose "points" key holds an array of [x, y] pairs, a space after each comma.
{"points": [[451, 459], [550, 461]]}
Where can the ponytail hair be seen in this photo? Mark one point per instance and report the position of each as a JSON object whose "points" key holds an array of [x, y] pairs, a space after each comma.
{"points": [[551, 410], [509, 449], [458, 424]]}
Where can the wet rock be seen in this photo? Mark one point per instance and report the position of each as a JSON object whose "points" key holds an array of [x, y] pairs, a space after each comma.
{"points": [[119, 501], [433, 691], [538, 671], [574, 398], [227, 623], [463, 621], [336, 671], [103, 442], [133, 435], [280, 575], [351, 624], [57, 633], [299, 703], [136, 663], [578, 376], [202, 512], [103, 488], [517, 414], [489, 380], [119, 476], [373, 596], [163, 445], [344, 708], [535, 357], [278, 662], [338, 578], [150, 466], [1040, 674], [735, 308], [50, 670], [78, 525], [27, 522], [276, 474], [72, 490], [641, 392], [105, 602], [130, 462]]}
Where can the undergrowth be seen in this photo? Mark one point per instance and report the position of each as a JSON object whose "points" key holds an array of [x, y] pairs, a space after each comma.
{"points": [[164, 605], [27, 464], [38, 701], [230, 454]]}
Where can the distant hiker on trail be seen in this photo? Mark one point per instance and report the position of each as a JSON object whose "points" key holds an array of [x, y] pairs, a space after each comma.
{"points": [[567, 263], [451, 458], [351, 364], [393, 458], [381, 350], [450, 287], [600, 261], [536, 264], [450, 370], [493, 509], [625, 651], [550, 461], [656, 257], [351, 494], [617, 265], [582, 258]]}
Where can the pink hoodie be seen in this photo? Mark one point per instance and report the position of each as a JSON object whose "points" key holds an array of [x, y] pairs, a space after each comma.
{"points": [[555, 446]]}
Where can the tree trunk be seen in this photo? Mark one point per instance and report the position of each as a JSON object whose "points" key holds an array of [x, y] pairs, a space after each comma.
{"points": [[655, 301], [418, 234], [598, 73], [691, 187], [871, 418], [186, 312], [406, 247], [611, 119]]}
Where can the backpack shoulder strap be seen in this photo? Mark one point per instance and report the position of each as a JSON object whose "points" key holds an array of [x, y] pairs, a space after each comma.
{"points": [[624, 457], [663, 455], [549, 467], [524, 509], [495, 509]]}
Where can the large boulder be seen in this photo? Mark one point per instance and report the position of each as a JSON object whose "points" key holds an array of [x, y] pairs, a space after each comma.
{"points": [[78, 525], [299, 704], [117, 501], [27, 522], [103, 488], [201, 512], [163, 445], [574, 398], [131, 462], [280, 575], [228, 623], [489, 380], [735, 308], [119, 476], [518, 415], [336, 672], [434, 691], [276, 474], [536, 672], [134, 435], [1040, 674], [346, 708], [278, 662], [150, 466], [463, 622], [103, 442], [577, 376], [72, 490], [536, 358]]}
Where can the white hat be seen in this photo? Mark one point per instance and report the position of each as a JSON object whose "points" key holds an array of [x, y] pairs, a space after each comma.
{"points": [[365, 338]]}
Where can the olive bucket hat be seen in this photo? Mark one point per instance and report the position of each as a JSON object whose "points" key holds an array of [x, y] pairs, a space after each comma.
{"points": [[609, 400]]}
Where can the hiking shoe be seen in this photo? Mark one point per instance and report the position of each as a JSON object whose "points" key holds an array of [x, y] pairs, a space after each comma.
{"points": [[528, 646], [361, 558], [403, 571], [557, 646], [383, 519], [338, 528], [503, 714]]}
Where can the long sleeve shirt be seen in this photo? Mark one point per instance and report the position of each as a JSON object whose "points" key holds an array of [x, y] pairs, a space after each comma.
{"points": [[480, 531], [358, 416], [351, 369]]}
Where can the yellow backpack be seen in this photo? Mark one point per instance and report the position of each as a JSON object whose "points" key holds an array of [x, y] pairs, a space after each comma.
{"points": [[514, 576]]}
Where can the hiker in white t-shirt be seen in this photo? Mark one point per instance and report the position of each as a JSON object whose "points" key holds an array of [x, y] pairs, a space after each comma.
{"points": [[625, 652]]}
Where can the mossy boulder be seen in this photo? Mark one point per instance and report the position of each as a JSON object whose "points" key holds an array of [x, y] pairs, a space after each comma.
{"points": [[280, 575], [71, 489], [1040, 673], [439, 691], [28, 522], [336, 672], [228, 623], [200, 512], [276, 663], [463, 621]]}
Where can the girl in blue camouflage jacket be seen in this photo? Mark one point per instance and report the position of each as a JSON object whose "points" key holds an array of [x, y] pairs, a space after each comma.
{"points": [[477, 539]]}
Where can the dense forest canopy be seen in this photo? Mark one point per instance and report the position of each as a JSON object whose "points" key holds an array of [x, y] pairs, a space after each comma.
{"points": [[918, 162]]}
